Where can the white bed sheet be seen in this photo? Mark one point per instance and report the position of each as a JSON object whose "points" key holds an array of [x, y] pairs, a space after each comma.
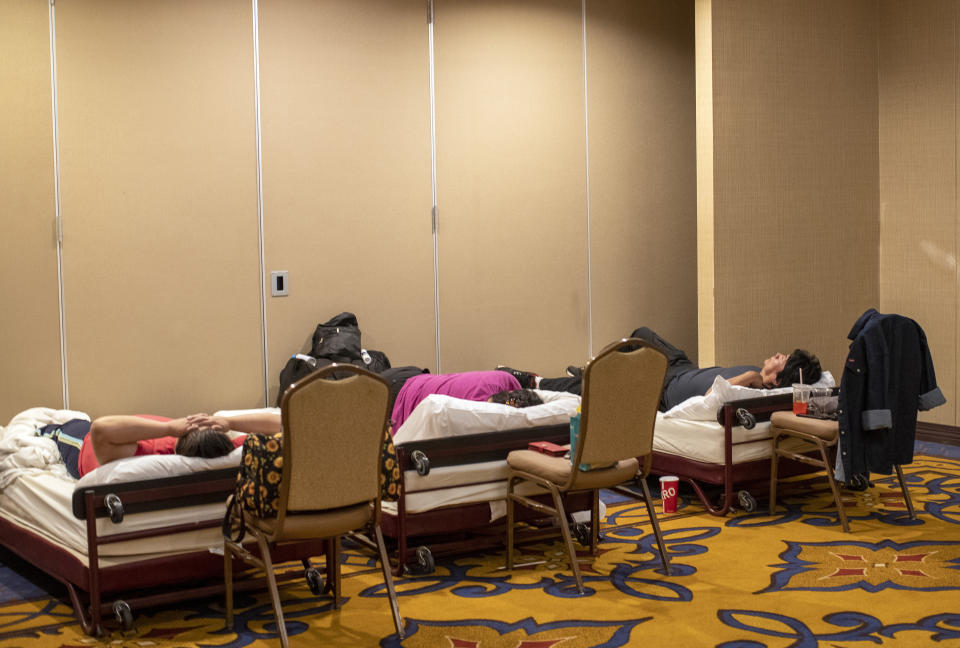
{"points": [[485, 481], [42, 503], [700, 440], [37, 493]]}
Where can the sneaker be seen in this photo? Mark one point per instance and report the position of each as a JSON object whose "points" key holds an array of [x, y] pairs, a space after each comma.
{"points": [[527, 379], [574, 372]]}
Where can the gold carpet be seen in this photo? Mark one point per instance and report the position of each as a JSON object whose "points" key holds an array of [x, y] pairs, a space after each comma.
{"points": [[743, 581]]}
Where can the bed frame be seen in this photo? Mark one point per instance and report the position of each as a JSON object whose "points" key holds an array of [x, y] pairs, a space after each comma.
{"points": [[746, 412], [152, 581], [464, 527]]}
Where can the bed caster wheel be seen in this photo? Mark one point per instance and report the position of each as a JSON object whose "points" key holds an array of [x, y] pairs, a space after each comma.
{"points": [[581, 532], [123, 614], [114, 506], [422, 463], [746, 419], [747, 501], [424, 564], [314, 581]]}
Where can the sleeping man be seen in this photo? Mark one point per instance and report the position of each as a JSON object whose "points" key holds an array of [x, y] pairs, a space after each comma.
{"points": [[85, 445], [685, 379]]}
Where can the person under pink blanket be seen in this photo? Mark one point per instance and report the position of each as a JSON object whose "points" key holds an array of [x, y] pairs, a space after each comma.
{"points": [[470, 385]]}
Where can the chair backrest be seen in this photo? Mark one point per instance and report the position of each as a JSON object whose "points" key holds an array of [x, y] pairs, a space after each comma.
{"points": [[621, 392], [332, 437]]}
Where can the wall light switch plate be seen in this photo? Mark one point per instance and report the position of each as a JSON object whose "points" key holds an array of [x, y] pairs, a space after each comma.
{"points": [[279, 285]]}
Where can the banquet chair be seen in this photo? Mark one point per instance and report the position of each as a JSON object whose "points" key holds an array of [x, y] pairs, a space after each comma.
{"points": [[817, 434], [332, 436], [621, 391], [822, 436]]}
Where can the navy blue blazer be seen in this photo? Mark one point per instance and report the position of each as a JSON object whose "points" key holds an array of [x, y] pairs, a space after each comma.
{"points": [[887, 378]]}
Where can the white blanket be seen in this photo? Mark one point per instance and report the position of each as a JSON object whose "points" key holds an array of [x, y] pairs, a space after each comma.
{"points": [[439, 416], [704, 408], [22, 452]]}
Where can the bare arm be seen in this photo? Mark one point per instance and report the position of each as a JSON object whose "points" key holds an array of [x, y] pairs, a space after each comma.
{"points": [[116, 437], [255, 423], [746, 379]]}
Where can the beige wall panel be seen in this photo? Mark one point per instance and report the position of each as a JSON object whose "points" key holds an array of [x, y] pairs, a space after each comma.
{"points": [[796, 188], [918, 178], [706, 308], [30, 329], [643, 209], [511, 184], [346, 173], [159, 199]]}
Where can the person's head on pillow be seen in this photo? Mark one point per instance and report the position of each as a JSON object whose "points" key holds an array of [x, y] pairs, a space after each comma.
{"points": [[517, 398], [799, 364], [207, 443]]}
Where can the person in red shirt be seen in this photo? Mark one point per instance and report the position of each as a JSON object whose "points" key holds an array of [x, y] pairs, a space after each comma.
{"points": [[85, 445]]}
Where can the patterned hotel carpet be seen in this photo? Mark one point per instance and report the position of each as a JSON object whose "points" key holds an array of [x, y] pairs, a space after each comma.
{"points": [[744, 581]]}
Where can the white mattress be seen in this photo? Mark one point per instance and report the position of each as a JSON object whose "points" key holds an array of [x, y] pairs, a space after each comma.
{"points": [[703, 440], [700, 440], [445, 487], [41, 503], [37, 494]]}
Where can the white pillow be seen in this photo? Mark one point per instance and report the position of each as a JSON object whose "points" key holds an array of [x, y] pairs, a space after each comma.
{"points": [[438, 416], [704, 408], [144, 467]]}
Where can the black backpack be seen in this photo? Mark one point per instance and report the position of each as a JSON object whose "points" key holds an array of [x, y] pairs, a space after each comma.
{"points": [[301, 365], [338, 339]]}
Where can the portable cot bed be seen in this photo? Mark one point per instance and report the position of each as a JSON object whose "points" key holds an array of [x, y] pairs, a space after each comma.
{"points": [[723, 439], [452, 454], [144, 531]]}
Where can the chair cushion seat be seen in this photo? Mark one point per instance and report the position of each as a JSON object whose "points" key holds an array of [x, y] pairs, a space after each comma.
{"points": [[305, 526], [788, 421], [557, 470]]}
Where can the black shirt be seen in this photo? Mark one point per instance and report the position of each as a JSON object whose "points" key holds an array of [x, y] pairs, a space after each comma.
{"points": [[695, 382]]}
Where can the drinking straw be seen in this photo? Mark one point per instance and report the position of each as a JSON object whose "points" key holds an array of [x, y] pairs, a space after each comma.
{"points": [[801, 376]]}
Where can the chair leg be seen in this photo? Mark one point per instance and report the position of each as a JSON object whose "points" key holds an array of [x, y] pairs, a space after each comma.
{"points": [[274, 592], [333, 570], [228, 583], [774, 465], [594, 521], [652, 511], [567, 539], [510, 523], [841, 513], [388, 580], [906, 493]]}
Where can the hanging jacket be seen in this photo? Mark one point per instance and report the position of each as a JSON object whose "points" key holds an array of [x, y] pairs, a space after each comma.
{"points": [[887, 378]]}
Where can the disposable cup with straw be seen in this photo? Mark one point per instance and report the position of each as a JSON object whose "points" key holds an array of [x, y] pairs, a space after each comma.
{"points": [[801, 396]]}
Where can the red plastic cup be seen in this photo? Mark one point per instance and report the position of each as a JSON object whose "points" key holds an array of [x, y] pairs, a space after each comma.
{"points": [[668, 493]]}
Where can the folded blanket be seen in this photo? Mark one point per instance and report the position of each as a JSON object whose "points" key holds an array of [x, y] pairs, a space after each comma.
{"points": [[21, 451]]}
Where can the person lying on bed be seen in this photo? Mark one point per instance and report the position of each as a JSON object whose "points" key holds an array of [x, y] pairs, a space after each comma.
{"points": [[85, 445], [496, 386], [685, 379]]}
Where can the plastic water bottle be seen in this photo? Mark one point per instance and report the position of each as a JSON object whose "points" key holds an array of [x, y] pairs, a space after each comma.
{"points": [[310, 360], [365, 357]]}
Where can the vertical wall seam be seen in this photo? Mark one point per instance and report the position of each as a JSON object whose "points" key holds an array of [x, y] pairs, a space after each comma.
{"points": [[58, 214], [956, 203], [263, 272], [434, 213], [586, 162]]}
